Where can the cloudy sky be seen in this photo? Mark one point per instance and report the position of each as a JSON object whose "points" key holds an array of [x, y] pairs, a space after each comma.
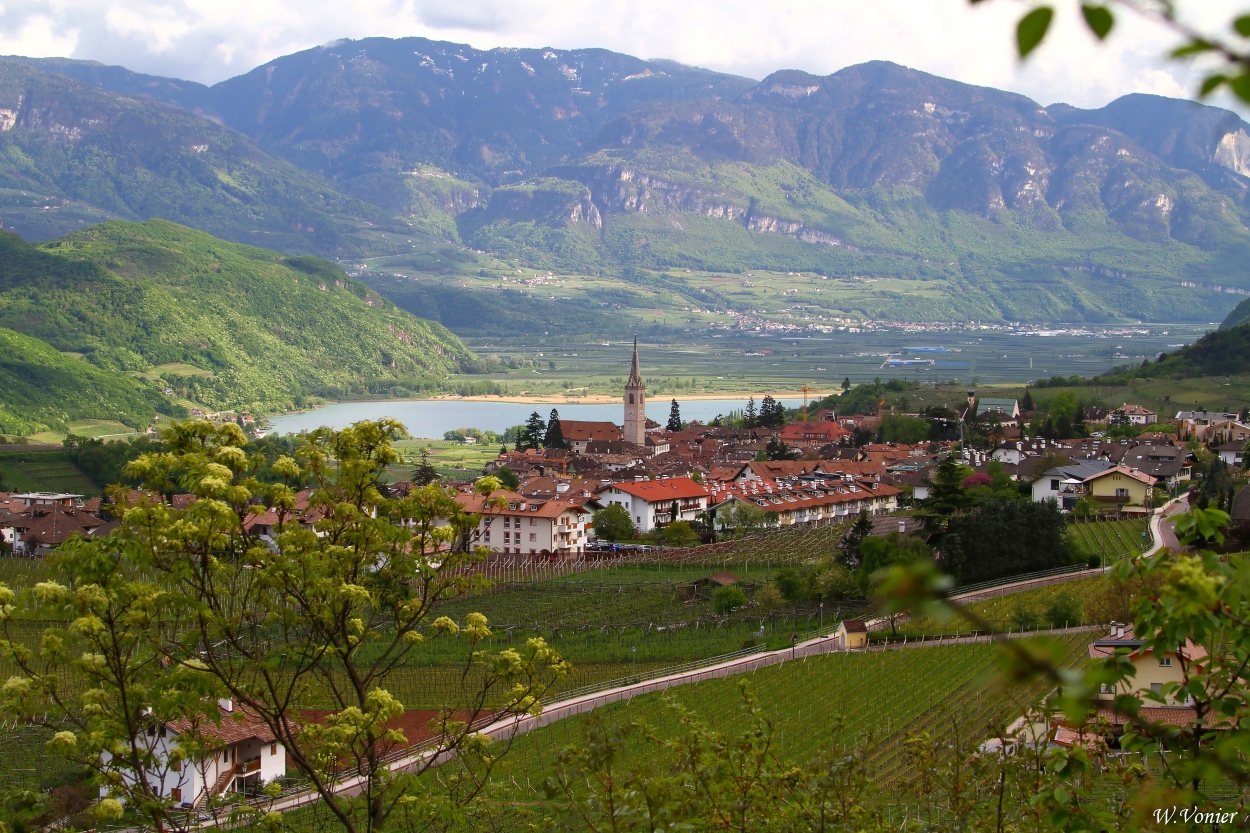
{"points": [[209, 40]]}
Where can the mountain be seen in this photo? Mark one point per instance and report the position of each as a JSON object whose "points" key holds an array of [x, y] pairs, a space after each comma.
{"points": [[882, 171], [43, 389], [68, 149], [217, 323], [985, 204]]}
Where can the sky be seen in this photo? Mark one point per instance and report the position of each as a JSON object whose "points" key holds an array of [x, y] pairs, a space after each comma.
{"points": [[210, 40]]}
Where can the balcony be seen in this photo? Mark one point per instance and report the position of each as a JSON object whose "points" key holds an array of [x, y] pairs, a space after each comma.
{"points": [[248, 767]]}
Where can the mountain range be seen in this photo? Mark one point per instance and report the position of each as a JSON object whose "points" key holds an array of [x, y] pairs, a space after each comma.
{"points": [[599, 163]]}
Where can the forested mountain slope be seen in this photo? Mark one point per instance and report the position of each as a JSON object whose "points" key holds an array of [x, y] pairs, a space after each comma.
{"points": [[219, 323]]}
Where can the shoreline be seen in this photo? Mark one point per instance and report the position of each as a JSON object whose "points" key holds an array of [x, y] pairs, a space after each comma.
{"points": [[553, 399]]}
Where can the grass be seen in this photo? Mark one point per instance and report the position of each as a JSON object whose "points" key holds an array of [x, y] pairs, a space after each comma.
{"points": [[1112, 540], [452, 460]]}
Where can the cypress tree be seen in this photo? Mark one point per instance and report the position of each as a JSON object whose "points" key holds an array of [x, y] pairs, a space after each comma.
{"points": [[674, 417], [534, 432], [554, 438]]}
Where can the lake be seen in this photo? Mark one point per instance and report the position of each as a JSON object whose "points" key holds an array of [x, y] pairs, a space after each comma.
{"points": [[430, 419]]}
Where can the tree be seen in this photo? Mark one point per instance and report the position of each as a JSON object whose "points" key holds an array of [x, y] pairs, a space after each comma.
{"points": [[750, 419], [728, 598], [674, 417], [860, 530], [507, 478], [900, 428], [532, 435], [424, 473], [613, 523], [187, 604], [680, 534], [554, 436], [947, 495], [1026, 402], [1006, 537], [777, 450], [772, 414], [846, 384]]}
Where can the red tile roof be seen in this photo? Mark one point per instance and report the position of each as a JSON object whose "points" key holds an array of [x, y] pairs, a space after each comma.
{"points": [[654, 491]]}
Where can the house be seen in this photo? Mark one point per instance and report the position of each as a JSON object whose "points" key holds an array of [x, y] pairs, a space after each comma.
{"points": [[577, 433], [851, 634], [807, 503], [1167, 463], [1138, 415], [1121, 485], [43, 529], [1226, 431], [811, 434], [1232, 452], [1151, 671], [1194, 424], [1006, 408], [512, 524], [650, 502], [26, 501], [1064, 483], [242, 755]]}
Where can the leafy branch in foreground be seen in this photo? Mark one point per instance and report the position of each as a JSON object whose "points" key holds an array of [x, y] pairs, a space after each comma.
{"points": [[298, 606]]}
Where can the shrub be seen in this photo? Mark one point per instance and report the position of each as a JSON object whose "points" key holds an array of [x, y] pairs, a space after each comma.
{"points": [[1063, 611], [725, 599], [770, 597], [613, 523], [1024, 616]]}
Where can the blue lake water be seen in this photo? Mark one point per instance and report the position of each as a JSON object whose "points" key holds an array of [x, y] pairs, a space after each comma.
{"points": [[428, 418]]}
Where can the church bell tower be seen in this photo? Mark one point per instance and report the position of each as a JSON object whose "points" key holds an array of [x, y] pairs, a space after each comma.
{"points": [[635, 404]]}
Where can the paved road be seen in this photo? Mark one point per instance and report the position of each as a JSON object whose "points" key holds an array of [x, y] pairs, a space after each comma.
{"points": [[1161, 525]]}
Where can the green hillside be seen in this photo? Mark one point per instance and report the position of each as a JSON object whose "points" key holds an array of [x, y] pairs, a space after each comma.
{"points": [[218, 323], [41, 388]]}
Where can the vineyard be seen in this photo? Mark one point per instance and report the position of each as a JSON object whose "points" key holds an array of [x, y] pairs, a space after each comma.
{"points": [[878, 697], [1110, 540]]}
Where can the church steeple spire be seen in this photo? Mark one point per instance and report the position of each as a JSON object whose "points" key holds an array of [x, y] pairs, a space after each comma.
{"points": [[635, 375]]}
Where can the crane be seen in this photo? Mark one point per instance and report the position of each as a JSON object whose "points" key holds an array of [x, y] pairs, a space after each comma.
{"points": [[806, 391]]}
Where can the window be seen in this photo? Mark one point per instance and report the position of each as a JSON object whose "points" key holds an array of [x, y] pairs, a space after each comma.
{"points": [[1156, 687], [531, 521], [534, 537], [176, 765], [1121, 493], [631, 399], [1165, 662], [1054, 484], [273, 749], [176, 795], [225, 756]]}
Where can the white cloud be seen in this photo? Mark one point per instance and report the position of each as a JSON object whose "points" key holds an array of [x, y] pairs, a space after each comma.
{"points": [[208, 40]]}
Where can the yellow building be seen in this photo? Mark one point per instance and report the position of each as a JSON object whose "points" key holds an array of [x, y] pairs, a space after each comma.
{"points": [[1121, 485], [1151, 671], [852, 633]]}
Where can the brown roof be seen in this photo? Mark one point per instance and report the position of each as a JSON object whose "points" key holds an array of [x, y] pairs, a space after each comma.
{"points": [[239, 724], [854, 626], [520, 504], [582, 430]]}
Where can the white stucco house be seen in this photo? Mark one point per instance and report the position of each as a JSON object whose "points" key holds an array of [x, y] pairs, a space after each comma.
{"points": [[244, 756]]}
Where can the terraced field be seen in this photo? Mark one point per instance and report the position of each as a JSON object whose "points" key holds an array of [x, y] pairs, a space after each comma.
{"points": [[1113, 540], [44, 471]]}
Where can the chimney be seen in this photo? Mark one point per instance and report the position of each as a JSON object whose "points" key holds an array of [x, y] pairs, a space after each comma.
{"points": [[227, 704]]}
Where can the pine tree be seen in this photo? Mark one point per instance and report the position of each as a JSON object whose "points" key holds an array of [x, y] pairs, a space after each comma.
{"points": [[1026, 404], [750, 420], [424, 473], [674, 417], [846, 383], [534, 432], [554, 437]]}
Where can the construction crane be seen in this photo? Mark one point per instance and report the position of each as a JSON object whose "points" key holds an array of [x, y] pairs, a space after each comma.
{"points": [[806, 391]]}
